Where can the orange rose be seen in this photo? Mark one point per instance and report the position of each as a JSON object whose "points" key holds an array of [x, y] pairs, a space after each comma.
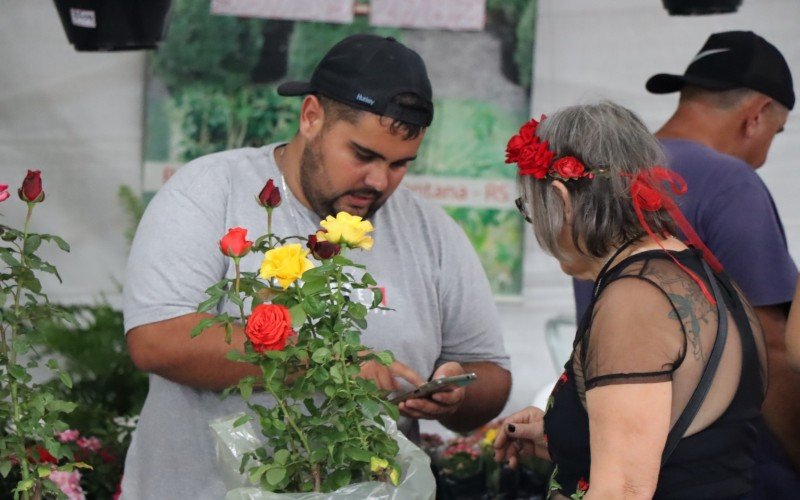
{"points": [[268, 327]]}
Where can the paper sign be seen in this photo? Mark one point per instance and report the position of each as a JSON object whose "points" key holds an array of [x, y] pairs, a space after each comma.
{"points": [[429, 14], [329, 11]]}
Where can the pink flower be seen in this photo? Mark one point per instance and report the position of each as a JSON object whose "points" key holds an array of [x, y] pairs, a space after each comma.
{"points": [[91, 444], [68, 435], [4, 194], [69, 483]]}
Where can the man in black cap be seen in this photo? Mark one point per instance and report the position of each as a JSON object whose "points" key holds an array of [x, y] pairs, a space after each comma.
{"points": [[364, 114], [734, 98]]}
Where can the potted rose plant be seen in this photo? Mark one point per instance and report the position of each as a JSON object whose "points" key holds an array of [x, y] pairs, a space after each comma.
{"points": [[327, 428], [32, 459]]}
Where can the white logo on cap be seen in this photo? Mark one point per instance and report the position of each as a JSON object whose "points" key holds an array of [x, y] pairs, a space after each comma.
{"points": [[707, 53], [365, 99]]}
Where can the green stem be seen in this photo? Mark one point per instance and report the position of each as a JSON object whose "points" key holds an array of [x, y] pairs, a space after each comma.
{"points": [[236, 287], [269, 228], [292, 423]]}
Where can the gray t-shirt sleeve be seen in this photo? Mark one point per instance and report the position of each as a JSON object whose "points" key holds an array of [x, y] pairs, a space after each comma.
{"points": [[175, 257], [471, 328]]}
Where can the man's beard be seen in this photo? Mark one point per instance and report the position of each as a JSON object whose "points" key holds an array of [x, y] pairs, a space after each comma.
{"points": [[311, 181]]}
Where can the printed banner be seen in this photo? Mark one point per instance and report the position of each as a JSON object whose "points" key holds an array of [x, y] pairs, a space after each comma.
{"points": [[429, 14], [330, 11]]}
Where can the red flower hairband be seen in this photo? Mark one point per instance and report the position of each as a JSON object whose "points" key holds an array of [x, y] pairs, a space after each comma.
{"points": [[534, 157]]}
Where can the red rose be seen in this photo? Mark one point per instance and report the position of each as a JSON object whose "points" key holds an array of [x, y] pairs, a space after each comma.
{"points": [[322, 250], [528, 131], [645, 196], [535, 160], [235, 244], [515, 145], [583, 485], [268, 327], [4, 192], [45, 457], [31, 190], [569, 167], [270, 195]]}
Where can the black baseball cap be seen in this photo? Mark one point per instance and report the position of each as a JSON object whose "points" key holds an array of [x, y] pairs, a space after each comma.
{"points": [[366, 72], [733, 59]]}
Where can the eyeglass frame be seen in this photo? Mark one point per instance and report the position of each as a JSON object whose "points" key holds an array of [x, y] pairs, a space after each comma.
{"points": [[520, 203]]}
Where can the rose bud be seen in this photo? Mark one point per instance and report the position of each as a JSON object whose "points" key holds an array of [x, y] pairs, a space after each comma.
{"points": [[31, 190], [322, 250], [4, 194], [270, 195], [235, 244]]}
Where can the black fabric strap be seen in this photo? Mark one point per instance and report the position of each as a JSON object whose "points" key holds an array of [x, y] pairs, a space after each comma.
{"points": [[700, 392]]}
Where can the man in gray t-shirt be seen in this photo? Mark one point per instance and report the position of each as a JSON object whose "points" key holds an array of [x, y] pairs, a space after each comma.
{"points": [[363, 117]]}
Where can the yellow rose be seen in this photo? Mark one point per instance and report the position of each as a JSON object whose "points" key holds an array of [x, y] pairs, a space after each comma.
{"points": [[488, 439], [348, 230], [287, 263], [378, 464]]}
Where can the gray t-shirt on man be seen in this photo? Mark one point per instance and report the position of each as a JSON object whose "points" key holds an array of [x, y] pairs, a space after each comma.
{"points": [[442, 305]]}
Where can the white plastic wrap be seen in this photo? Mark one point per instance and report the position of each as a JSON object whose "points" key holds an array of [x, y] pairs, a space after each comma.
{"points": [[417, 482]]}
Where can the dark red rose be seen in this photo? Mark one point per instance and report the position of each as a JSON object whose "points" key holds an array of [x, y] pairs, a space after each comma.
{"points": [[44, 456], [322, 250], [535, 160], [31, 190], [235, 244], [268, 327], [270, 195], [515, 145], [569, 167], [645, 196]]}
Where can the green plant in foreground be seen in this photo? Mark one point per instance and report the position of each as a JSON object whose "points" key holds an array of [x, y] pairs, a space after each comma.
{"points": [[30, 413]]}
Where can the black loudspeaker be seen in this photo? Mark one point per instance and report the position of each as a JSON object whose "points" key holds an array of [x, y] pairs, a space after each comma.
{"points": [[700, 7], [106, 25]]}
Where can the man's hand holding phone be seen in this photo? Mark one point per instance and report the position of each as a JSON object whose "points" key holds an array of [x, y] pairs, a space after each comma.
{"points": [[445, 399]]}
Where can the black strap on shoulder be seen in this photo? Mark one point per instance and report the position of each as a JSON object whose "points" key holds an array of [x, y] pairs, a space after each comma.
{"points": [[700, 392]]}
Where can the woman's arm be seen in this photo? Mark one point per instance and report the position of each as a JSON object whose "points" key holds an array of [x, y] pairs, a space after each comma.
{"points": [[628, 425], [793, 332]]}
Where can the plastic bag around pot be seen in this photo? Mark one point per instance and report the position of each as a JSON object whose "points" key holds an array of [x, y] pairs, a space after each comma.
{"points": [[417, 482]]}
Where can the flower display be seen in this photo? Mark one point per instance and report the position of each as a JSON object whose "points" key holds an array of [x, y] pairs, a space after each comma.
{"points": [[268, 327], [346, 230], [286, 263], [302, 325], [235, 243]]}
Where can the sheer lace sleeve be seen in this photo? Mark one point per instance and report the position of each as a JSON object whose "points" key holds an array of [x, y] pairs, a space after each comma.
{"points": [[636, 335]]}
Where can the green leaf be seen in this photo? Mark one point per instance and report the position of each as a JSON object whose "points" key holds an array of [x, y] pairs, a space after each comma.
{"points": [[18, 372], [377, 297], [298, 315], [202, 325], [256, 473], [367, 279], [8, 258], [339, 478], [358, 311], [358, 454], [32, 243], [281, 457], [208, 304], [65, 379], [321, 355], [246, 387], [234, 355], [241, 420], [5, 468], [313, 306], [385, 357], [275, 475], [336, 374]]}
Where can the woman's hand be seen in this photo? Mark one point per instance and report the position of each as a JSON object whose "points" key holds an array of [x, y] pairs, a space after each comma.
{"points": [[521, 435]]}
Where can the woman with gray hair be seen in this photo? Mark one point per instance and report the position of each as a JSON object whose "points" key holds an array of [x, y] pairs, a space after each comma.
{"points": [[659, 398]]}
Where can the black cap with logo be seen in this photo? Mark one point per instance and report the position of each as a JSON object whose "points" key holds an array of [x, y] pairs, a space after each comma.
{"points": [[367, 72], [733, 59]]}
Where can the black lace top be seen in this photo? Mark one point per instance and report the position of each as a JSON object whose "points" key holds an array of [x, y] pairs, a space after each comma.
{"points": [[650, 322]]}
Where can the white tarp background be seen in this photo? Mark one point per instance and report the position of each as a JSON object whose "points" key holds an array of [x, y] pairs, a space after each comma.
{"points": [[78, 118]]}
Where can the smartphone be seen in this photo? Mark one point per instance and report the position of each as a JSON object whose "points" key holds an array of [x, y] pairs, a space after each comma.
{"points": [[434, 386]]}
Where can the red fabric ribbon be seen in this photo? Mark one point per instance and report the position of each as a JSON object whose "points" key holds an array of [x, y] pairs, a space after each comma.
{"points": [[646, 196]]}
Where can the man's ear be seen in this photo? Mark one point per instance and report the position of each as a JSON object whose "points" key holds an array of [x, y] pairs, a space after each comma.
{"points": [[312, 117], [755, 115], [563, 192]]}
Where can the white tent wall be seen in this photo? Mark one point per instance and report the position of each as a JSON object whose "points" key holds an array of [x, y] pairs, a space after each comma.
{"points": [[78, 118]]}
